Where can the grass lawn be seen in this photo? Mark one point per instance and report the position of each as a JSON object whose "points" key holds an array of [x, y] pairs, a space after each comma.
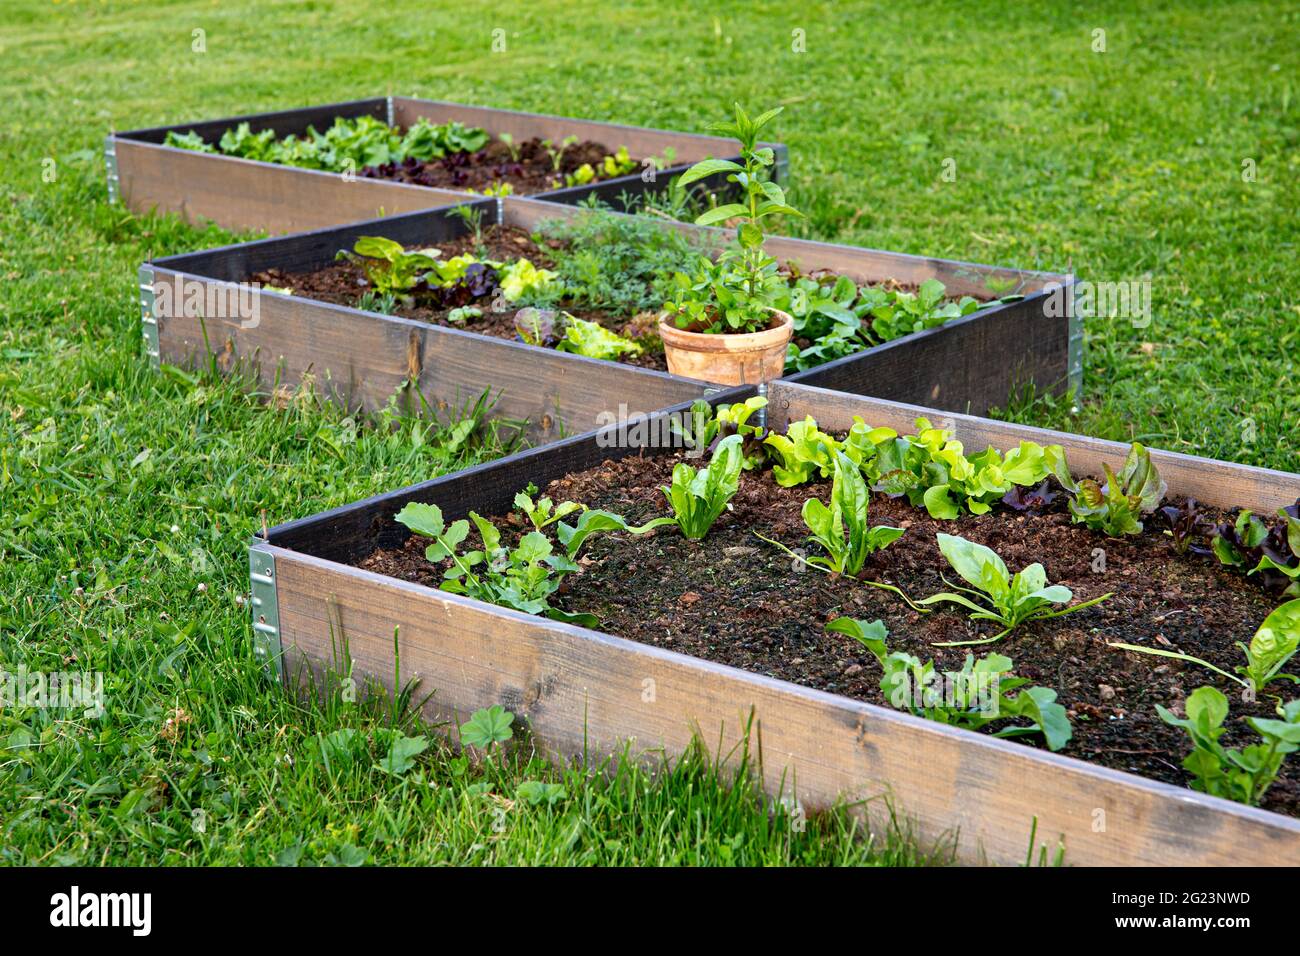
{"points": [[126, 497]]}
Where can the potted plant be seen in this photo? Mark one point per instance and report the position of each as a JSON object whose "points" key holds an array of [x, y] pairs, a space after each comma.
{"points": [[721, 324]]}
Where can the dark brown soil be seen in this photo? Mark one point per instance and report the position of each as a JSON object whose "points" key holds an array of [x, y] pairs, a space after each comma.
{"points": [[343, 283], [531, 171], [736, 600]]}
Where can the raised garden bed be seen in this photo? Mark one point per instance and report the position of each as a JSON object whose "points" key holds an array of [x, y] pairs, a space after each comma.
{"points": [[327, 327], [700, 635], [252, 194]]}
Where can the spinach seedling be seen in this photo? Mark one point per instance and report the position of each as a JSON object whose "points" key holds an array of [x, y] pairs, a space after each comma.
{"points": [[843, 529], [1010, 600], [1273, 645], [697, 498], [974, 697], [1242, 775]]}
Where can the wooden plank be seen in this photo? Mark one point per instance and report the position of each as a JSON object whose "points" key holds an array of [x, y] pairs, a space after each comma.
{"points": [[349, 532], [283, 122], [581, 691], [305, 251], [243, 195], [361, 359], [641, 141], [1218, 483], [968, 365]]}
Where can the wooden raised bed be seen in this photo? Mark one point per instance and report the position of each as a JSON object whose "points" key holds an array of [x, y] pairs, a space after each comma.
{"points": [[582, 691], [241, 194], [362, 358]]}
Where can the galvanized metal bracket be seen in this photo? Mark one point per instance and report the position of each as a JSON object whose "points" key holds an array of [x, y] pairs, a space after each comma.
{"points": [[149, 317], [266, 609], [389, 107], [1074, 350], [110, 166]]}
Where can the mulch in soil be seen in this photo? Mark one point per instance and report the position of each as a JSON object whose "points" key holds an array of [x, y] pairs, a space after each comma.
{"points": [[736, 600], [344, 282], [531, 171]]}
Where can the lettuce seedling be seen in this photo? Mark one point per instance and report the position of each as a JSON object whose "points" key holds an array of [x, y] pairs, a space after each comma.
{"points": [[931, 468], [804, 450], [190, 140], [521, 278], [698, 498], [593, 340], [544, 511], [734, 420], [1117, 505], [1010, 600], [1274, 644], [1187, 522], [842, 529], [1272, 552], [974, 697], [389, 268], [1242, 775]]}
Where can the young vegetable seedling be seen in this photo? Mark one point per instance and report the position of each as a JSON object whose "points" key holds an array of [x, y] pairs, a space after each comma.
{"points": [[1242, 775], [1010, 600], [1273, 645], [697, 498]]}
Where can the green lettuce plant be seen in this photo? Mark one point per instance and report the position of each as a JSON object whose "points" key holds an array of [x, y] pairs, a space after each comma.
{"points": [[593, 340], [804, 451], [996, 594], [974, 697], [1242, 775], [389, 268]]}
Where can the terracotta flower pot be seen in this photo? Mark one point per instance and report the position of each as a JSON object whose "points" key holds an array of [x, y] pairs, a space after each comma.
{"points": [[744, 358]]}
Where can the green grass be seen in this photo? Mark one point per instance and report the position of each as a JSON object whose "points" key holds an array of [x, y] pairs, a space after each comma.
{"points": [[126, 496]]}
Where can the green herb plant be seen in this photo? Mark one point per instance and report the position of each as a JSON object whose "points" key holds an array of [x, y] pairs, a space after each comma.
{"points": [[736, 292], [996, 594], [697, 498], [974, 697]]}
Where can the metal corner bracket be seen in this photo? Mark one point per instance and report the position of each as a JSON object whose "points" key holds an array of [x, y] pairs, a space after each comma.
{"points": [[110, 167], [149, 317], [1074, 350], [266, 609]]}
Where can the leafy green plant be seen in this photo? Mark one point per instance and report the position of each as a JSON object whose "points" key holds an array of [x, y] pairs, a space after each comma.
{"points": [[735, 293], [1274, 644], [190, 140], [402, 751], [974, 697], [557, 152], [932, 469], [521, 278], [425, 140], [1010, 600], [1242, 775], [804, 451], [1271, 552], [522, 578], [1116, 506], [389, 268], [1187, 521], [488, 727], [593, 340], [697, 498], [842, 529], [544, 511]]}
